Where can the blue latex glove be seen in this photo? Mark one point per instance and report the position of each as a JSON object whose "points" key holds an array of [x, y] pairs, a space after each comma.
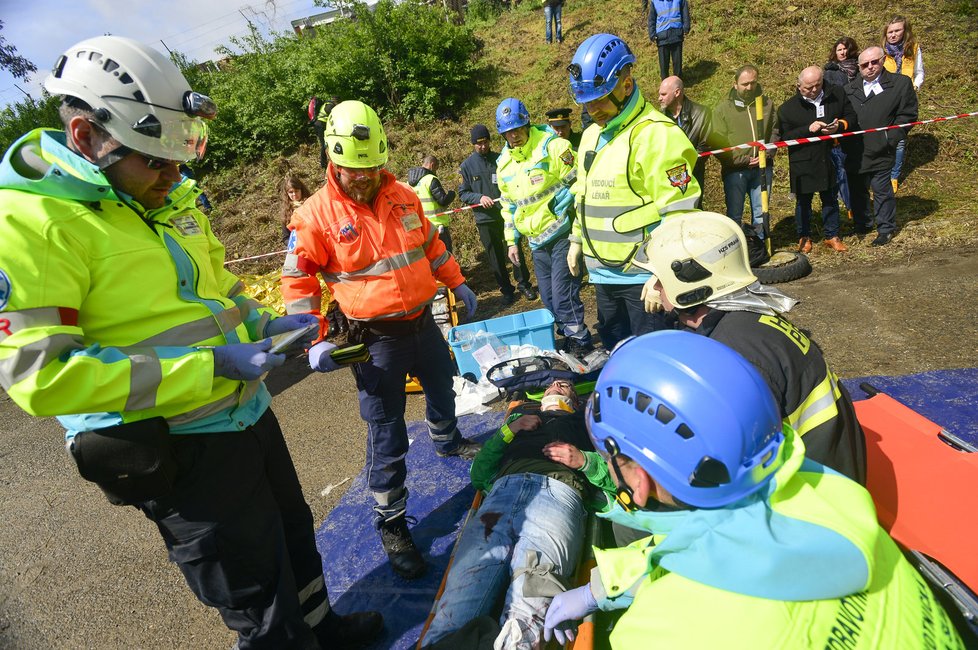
{"points": [[566, 612], [319, 358], [463, 293], [245, 361], [294, 322]]}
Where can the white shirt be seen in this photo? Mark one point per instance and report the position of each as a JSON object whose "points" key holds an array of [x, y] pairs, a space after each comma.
{"points": [[872, 87]]}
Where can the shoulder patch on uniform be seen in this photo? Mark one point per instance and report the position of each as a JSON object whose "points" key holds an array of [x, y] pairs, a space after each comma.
{"points": [[5, 290], [567, 158], [679, 177]]}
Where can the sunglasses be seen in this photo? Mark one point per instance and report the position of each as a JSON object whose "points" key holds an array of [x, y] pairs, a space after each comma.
{"points": [[866, 64]]}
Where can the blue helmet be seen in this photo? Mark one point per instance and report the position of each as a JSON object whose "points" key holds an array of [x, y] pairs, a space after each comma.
{"points": [[692, 413], [511, 114], [595, 67]]}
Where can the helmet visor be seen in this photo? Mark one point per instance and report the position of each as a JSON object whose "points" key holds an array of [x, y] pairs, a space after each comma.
{"points": [[182, 139]]}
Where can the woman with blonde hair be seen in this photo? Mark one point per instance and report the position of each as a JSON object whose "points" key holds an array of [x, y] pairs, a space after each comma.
{"points": [[902, 56]]}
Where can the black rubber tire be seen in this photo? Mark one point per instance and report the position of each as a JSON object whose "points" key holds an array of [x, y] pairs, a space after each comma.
{"points": [[783, 266]]}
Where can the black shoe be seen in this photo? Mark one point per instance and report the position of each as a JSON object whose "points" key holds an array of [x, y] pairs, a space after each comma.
{"points": [[404, 556], [351, 631], [529, 293], [578, 349], [882, 239], [863, 230], [509, 298], [465, 449]]}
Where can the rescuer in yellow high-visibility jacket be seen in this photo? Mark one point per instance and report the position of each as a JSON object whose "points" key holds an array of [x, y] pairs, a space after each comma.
{"points": [[634, 168], [117, 316], [535, 171], [774, 549], [433, 197]]}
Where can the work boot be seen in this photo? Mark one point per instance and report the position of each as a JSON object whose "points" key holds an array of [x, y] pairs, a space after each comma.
{"points": [[529, 293], [404, 556], [577, 348], [805, 245], [354, 630], [465, 449], [836, 244], [509, 298]]}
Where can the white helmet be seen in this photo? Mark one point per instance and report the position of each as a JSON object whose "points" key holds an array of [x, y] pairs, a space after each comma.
{"points": [[138, 95], [697, 256]]}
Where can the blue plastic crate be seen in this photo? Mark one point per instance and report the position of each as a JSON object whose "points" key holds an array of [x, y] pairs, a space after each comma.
{"points": [[533, 327]]}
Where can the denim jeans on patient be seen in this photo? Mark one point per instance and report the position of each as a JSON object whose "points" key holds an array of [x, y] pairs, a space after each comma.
{"points": [[523, 516]]}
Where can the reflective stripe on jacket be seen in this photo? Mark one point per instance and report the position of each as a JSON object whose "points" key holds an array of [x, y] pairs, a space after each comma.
{"points": [[106, 309], [804, 565], [811, 398], [534, 181], [380, 261], [428, 203], [644, 173]]}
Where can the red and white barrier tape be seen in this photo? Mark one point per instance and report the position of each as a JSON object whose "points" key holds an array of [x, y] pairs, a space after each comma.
{"points": [[822, 138], [463, 208]]}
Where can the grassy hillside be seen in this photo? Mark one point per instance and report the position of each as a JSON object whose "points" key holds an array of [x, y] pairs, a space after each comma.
{"points": [[935, 206]]}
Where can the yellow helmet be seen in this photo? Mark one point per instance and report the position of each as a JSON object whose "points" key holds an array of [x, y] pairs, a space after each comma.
{"points": [[355, 137], [697, 256]]}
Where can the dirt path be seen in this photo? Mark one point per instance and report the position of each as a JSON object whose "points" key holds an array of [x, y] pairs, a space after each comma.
{"points": [[78, 573]]}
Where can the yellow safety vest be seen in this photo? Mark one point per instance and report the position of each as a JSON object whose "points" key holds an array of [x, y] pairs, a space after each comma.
{"points": [[428, 203], [624, 189]]}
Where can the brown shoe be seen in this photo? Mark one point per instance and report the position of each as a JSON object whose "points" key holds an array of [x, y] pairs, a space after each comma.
{"points": [[836, 244], [805, 245]]}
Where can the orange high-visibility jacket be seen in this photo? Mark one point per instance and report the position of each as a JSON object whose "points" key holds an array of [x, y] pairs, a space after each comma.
{"points": [[380, 261]]}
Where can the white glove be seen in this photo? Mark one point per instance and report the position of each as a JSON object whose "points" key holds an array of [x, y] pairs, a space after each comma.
{"points": [[651, 297], [574, 258]]}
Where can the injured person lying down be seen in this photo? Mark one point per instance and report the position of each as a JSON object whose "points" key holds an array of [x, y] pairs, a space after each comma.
{"points": [[524, 543]]}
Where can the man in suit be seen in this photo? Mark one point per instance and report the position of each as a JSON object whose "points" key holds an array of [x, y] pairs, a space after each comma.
{"points": [[815, 110], [879, 98]]}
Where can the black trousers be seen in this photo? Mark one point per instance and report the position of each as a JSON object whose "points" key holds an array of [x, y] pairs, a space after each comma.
{"points": [[884, 202], [494, 241], [238, 527], [673, 51], [621, 313], [320, 129]]}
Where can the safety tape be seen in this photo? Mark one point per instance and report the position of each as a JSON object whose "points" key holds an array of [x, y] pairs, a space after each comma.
{"points": [[463, 208], [834, 136]]}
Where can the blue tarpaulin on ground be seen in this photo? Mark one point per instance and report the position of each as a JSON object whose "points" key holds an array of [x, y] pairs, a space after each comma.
{"points": [[359, 577]]}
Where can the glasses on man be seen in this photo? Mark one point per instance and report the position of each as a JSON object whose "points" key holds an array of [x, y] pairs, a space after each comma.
{"points": [[873, 62]]}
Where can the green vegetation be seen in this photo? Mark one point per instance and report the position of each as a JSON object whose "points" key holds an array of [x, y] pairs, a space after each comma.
{"points": [[432, 79]]}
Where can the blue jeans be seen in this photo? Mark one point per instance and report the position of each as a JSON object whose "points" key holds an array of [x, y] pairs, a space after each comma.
{"points": [[841, 178], [380, 388], [552, 16], [830, 213], [559, 290], [525, 520], [901, 152], [746, 182]]}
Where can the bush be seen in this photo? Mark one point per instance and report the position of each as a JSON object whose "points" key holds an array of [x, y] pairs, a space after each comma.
{"points": [[407, 60]]}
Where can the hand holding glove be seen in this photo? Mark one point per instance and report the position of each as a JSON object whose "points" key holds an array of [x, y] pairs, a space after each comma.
{"points": [[651, 297], [565, 613], [294, 322], [245, 361], [463, 293], [574, 254], [320, 359]]}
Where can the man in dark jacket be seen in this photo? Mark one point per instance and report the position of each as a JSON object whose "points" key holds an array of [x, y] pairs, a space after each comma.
{"points": [[694, 119], [558, 119], [735, 122], [879, 98], [668, 25], [815, 110], [433, 197], [479, 187]]}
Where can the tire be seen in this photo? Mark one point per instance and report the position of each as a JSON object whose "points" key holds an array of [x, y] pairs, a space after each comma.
{"points": [[783, 267]]}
